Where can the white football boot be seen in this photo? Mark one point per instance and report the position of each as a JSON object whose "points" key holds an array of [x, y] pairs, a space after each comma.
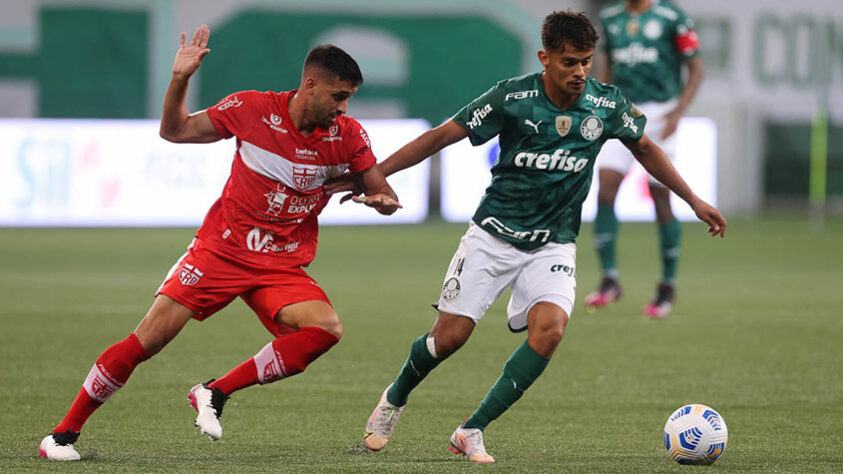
{"points": [[208, 403], [59, 447], [381, 423], [469, 443]]}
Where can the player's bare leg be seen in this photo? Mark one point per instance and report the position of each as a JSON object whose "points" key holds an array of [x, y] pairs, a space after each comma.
{"points": [[448, 334], [669, 238], [112, 369], [546, 326], [319, 329], [605, 236]]}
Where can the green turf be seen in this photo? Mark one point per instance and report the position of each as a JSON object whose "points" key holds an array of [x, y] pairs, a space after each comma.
{"points": [[757, 333]]}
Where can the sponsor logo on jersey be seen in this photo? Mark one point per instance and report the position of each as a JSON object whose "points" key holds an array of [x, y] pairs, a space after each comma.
{"points": [[303, 177], [562, 268], [535, 126], [365, 138], [563, 124], [274, 122], [232, 102], [591, 128], [521, 95], [629, 122], [542, 235], [451, 288], [652, 29], [275, 200], [259, 240], [478, 115], [305, 154], [601, 101], [332, 131], [302, 204], [189, 275], [561, 160], [634, 54]]}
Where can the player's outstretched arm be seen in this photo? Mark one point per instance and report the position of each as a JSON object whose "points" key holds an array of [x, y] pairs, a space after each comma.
{"points": [[427, 144], [413, 153], [653, 159], [177, 125], [379, 193]]}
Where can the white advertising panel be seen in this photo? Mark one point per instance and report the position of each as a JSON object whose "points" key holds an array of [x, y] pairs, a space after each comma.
{"points": [[465, 175], [411, 185], [121, 173]]}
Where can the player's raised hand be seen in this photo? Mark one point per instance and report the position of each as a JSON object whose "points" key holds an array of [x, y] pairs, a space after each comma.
{"points": [[190, 55], [711, 216], [382, 203]]}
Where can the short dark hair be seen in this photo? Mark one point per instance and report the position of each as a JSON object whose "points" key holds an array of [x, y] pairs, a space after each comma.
{"points": [[333, 59], [570, 27]]}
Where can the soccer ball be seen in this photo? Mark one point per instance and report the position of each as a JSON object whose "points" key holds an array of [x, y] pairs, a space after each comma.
{"points": [[695, 434]]}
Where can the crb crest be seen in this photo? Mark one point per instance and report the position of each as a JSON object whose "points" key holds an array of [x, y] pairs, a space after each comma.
{"points": [[303, 178], [189, 275]]}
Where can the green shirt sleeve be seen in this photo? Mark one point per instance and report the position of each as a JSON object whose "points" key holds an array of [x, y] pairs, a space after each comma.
{"points": [[483, 117], [628, 122]]}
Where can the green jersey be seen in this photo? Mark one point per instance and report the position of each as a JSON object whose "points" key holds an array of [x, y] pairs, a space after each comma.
{"points": [[543, 172], [647, 50]]}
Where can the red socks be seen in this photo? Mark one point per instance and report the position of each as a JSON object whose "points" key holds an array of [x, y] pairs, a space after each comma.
{"points": [[284, 357], [110, 372]]}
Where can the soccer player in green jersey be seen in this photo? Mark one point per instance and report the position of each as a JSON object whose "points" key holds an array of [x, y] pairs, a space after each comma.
{"points": [[647, 42], [551, 126]]}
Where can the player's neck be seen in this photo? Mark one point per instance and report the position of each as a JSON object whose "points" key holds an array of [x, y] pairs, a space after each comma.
{"points": [[297, 108], [638, 6]]}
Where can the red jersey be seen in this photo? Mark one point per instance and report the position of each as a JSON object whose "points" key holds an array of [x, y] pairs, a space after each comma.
{"points": [[267, 212]]}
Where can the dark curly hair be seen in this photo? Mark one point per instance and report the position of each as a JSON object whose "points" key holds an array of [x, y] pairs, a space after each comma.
{"points": [[570, 27], [336, 61]]}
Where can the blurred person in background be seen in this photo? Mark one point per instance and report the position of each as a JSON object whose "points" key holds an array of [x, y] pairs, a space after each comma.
{"points": [[551, 125], [257, 236], [647, 42]]}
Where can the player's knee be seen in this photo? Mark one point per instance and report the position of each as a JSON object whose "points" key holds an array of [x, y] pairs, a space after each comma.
{"points": [[446, 344], [547, 336], [331, 325]]}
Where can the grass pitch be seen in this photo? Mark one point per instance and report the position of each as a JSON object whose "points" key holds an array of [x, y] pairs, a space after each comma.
{"points": [[757, 334]]}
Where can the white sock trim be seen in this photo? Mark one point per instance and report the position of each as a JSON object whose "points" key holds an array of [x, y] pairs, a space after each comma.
{"points": [[269, 365], [99, 384], [431, 347]]}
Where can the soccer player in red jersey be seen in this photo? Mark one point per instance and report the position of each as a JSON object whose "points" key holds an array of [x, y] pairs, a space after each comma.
{"points": [[257, 236]]}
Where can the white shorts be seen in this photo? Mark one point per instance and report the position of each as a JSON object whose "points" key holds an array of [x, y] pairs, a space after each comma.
{"points": [[615, 156], [484, 266]]}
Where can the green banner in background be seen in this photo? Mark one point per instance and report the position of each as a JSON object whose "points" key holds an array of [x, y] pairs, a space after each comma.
{"points": [[414, 66], [94, 62]]}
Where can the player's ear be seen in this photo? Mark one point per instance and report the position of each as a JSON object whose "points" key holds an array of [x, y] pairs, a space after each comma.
{"points": [[544, 58], [309, 84]]}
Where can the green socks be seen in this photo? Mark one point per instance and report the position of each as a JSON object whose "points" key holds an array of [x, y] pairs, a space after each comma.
{"points": [[520, 371], [605, 234], [669, 235], [419, 363]]}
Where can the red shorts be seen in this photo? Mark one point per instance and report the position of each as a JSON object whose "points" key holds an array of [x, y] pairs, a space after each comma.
{"points": [[206, 281]]}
